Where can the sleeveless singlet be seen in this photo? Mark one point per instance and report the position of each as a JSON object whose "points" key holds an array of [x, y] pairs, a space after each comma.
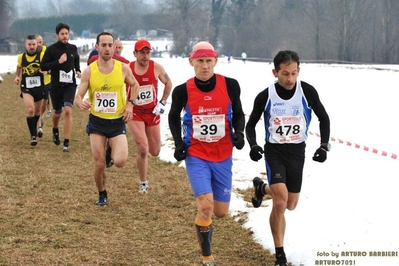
{"points": [[287, 121], [148, 91], [107, 92], [31, 77], [207, 122]]}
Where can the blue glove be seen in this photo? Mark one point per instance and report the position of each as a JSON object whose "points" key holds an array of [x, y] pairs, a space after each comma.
{"points": [[159, 109], [180, 152], [238, 140], [256, 153]]}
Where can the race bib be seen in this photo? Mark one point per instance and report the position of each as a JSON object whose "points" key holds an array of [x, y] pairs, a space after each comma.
{"points": [[66, 77], [209, 128], [32, 82], [105, 102], [287, 129], [146, 95]]}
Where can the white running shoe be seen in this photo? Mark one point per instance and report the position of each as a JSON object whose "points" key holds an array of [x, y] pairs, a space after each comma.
{"points": [[40, 132], [143, 188], [66, 148]]}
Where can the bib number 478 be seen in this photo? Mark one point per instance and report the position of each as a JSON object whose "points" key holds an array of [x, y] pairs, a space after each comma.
{"points": [[288, 129]]}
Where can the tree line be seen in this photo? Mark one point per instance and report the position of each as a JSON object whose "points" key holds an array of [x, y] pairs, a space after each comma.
{"points": [[358, 31]]}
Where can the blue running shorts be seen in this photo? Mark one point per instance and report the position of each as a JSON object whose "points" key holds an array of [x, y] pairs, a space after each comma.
{"points": [[210, 177]]}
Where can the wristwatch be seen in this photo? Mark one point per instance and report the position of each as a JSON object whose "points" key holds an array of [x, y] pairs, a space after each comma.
{"points": [[326, 146], [132, 102]]}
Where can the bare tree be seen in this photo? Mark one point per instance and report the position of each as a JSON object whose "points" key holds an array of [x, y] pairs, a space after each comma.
{"points": [[124, 18], [348, 21], [238, 12], [183, 13], [315, 12], [7, 10], [390, 28], [217, 10]]}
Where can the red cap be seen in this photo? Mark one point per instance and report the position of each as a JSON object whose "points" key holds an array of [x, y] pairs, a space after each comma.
{"points": [[141, 44]]}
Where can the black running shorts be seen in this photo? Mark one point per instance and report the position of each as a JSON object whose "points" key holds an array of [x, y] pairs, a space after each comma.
{"points": [[284, 164], [62, 96], [105, 127], [37, 93]]}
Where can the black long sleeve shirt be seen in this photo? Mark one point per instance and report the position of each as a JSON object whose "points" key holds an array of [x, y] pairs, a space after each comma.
{"points": [[50, 62]]}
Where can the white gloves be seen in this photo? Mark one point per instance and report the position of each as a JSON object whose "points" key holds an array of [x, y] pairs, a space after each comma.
{"points": [[159, 109]]}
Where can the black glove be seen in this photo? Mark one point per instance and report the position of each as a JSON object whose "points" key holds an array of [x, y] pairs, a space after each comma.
{"points": [[238, 140], [256, 153], [320, 155], [180, 152]]}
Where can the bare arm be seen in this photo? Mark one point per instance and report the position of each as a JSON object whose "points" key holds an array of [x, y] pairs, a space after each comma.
{"points": [[18, 72], [164, 78], [82, 90]]}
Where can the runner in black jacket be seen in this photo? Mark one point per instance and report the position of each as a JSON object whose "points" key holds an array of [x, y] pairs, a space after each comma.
{"points": [[286, 106], [62, 59]]}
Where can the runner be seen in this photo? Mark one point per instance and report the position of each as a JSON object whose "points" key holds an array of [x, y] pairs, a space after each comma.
{"points": [[109, 111], [30, 79], [145, 124], [62, 59]]}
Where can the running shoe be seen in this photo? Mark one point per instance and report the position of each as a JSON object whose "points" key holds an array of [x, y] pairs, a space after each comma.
{"points": [[210, 262], [33, 141], [281, 262], [66, 148], [48, 113], [102, 199], [143, 187], [259, 192], [40, 132], [56, 137]]}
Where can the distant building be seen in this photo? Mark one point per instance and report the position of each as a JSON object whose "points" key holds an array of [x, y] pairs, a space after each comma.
{"points": [[141, 34], [152, 34]]}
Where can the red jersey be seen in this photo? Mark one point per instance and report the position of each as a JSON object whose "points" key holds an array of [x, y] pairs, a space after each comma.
{"points": [[148, 91], [208, 122]]}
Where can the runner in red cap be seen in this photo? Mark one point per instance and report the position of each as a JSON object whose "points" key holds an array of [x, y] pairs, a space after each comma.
{"points": [[148, 107]]}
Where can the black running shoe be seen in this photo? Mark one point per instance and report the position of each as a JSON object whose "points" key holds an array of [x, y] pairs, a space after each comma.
{"points": [[56, 137], [259, 192], [108, 160], [33, 141], [281, 262], [102, 199]]}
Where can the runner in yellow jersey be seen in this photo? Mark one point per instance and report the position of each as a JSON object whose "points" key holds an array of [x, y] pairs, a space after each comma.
{"points": [[30, 79], [47, 84], [104, 83]]}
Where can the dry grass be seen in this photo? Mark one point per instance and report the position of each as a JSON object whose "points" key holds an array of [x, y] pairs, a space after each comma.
{"points": [[48, 216]]}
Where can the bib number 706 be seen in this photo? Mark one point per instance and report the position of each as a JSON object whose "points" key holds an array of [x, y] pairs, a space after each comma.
{"points": [[106, 102]]}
